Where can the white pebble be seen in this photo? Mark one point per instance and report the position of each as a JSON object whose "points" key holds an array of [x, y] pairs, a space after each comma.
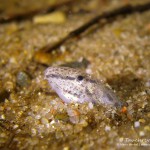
{"points": [[2, 117], [44, 121], [63, 49], [90, 105], [136, 124], [15, 126], [74, 119], [52, 122], [37, 117], [18, 131], [107, 128], [147, 84], [34, 131], [142, 133], [13, 60]]}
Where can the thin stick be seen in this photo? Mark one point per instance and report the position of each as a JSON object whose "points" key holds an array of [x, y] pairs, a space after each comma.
{"points": [[125, 10]]}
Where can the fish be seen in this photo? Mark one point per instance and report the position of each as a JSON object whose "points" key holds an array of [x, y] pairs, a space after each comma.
{"points": [[75, 86]]}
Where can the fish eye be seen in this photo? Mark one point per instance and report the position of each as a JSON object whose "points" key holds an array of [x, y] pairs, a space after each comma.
{"points": [[80, 78]]}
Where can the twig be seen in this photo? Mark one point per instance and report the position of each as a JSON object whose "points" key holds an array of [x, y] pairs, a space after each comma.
{"points": [[30, 14], [125, 10]]}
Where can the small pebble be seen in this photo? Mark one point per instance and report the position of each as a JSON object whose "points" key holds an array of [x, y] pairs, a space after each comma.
{"points": [[66, 148], [141, 133], [59, 135], [147, 84], [23, 79], [9, 86], [52, 122], [72, 112], [142, 120], [136, 124], [55, 17], [107, 128], [74, 119], [44, 121], [73, 116], [18, 131], [90, 105], [34, 131], [13, 60], [2, 135], [121, 139], [63, 49], [83, 123], [15, 126], [2, 116], [37, 117]]}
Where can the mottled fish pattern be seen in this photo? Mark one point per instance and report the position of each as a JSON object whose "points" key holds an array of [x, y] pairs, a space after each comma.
{"points": [[73, 85]]}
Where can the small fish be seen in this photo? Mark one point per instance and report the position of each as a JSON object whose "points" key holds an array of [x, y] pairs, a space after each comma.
{"points": [[73, 85]]}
